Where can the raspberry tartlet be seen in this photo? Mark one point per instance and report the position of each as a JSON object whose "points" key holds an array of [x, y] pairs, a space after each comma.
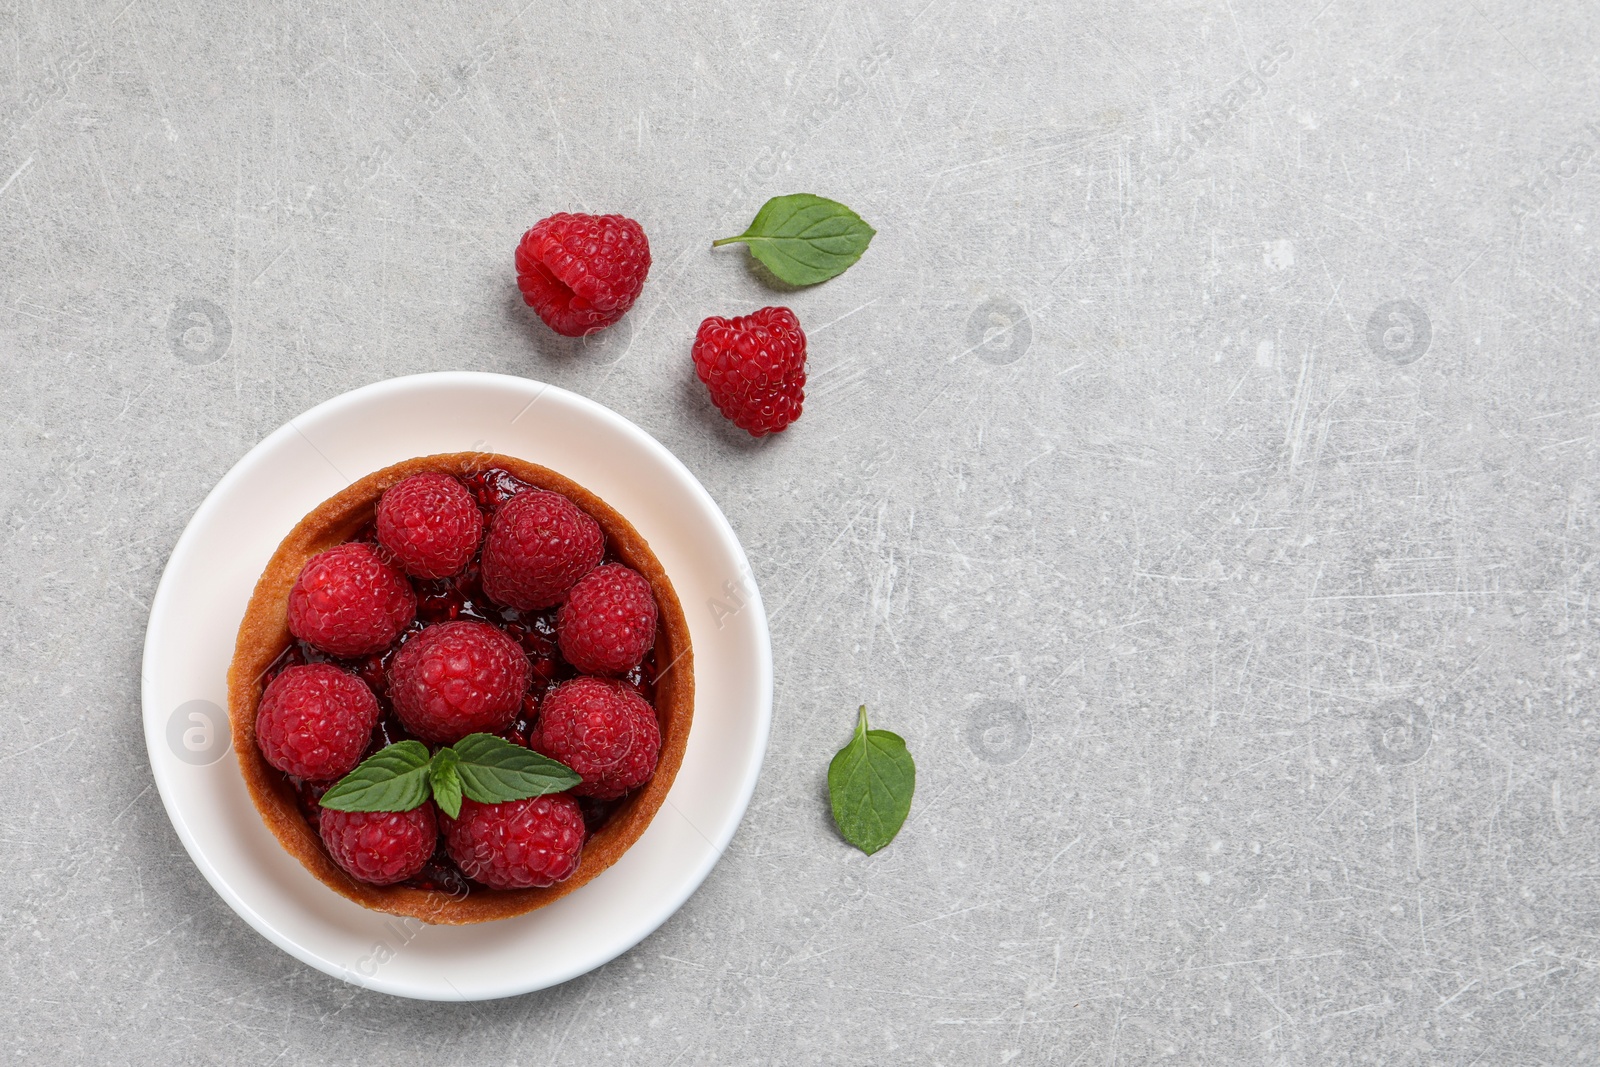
{"points": [[403, 608]]}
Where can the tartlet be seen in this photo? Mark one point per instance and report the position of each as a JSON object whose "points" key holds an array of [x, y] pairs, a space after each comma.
{"points": [[264, 638]]}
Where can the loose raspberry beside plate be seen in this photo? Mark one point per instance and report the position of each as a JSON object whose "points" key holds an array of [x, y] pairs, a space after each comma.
{"points": [[755, 368], [582, 273]]}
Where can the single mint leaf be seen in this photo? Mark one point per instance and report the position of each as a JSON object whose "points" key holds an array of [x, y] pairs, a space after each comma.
{"points": [[870, 783], [805, 239], [492, 770], [445, 778], [392, 779]]}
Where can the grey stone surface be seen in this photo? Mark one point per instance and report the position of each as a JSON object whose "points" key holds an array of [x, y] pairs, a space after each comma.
{"points": [[1199, 471]]}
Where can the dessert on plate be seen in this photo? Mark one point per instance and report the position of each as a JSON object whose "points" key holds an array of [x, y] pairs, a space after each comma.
{"points": [[462, 688]]}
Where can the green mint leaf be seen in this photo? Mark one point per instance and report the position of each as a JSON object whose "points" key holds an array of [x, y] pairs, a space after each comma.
{"points": [[870, 783], [805, 239], [494, 770], [445, 778], [392, 779]]}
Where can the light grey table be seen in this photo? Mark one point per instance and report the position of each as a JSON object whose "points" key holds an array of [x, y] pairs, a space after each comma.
{"points": [[1199, 470]]}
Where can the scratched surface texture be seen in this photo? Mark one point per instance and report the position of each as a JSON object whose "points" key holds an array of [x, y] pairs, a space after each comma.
{"points": [[1199, 471]]}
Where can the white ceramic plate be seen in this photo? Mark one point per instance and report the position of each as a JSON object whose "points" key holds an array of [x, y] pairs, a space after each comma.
{"points": [[209, 579]]}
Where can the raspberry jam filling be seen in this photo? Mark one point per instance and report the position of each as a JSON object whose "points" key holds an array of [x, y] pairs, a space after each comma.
{"points": [[446, 600]]}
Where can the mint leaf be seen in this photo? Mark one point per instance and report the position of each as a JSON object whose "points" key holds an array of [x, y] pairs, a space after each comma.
{"points": [[484, 767], [393, 779], [445, 779], [805, 239], [870, 783], [494, 770]]}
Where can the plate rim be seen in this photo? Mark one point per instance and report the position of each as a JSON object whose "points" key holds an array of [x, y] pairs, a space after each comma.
{"points": [[184, 545]]}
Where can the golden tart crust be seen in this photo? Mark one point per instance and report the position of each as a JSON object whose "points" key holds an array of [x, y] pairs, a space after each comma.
{"points": [[264, 635]]}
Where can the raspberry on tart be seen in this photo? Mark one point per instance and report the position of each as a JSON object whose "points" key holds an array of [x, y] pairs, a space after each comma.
{"points": [[314, 721], [457, 678], [604, 730], [380, 847], [608, 621], [430, 524], [517, 844], [539, 545], [349, 602]]}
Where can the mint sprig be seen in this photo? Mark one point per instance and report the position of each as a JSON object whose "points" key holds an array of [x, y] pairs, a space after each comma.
{"points": [[484, 767], [805, 239], [870, 783]]}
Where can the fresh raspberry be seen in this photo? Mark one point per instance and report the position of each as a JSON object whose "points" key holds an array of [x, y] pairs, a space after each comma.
{"points": [[581, 273], [539, 545], [516, 844], [348, 602], [457, 678], [381, 847], [315, 720], [755, 367], [430, 524], [603, 730], [608, 622]]}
